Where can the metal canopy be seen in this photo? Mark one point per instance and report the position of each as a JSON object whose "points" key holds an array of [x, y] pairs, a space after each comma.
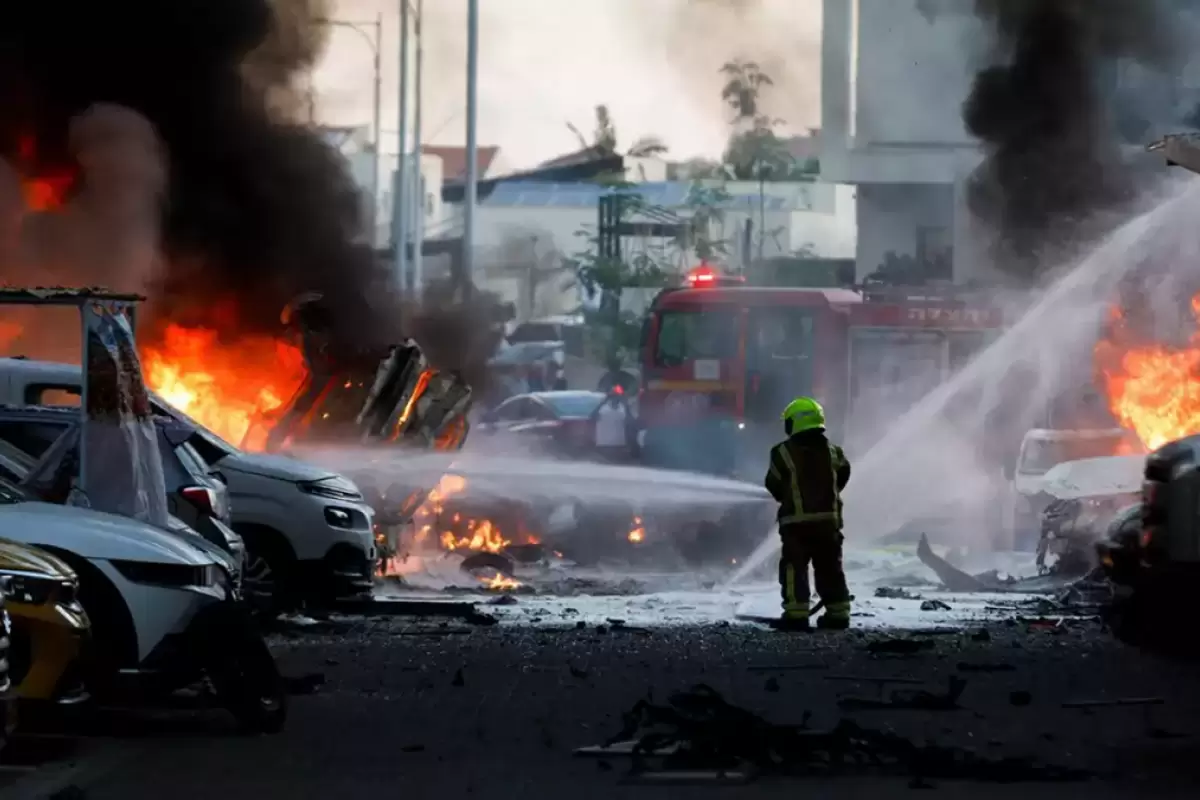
{"points": [[95, 304]]}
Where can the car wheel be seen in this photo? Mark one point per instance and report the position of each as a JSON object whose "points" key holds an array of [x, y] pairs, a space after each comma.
{"points": [[266, 574]]}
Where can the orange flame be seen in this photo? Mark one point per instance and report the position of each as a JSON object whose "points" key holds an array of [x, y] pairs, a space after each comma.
{"points": [[637, 534], [455, 530], [224, 385], [1154, 391], [500, 583]]}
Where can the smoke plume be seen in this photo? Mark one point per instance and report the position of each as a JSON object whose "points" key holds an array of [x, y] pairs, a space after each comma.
{"points": [[257, 208], [1052, 157]]}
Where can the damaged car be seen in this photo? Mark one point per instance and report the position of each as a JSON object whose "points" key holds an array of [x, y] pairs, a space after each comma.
{"points": [[1152, 554], [306, 530]]}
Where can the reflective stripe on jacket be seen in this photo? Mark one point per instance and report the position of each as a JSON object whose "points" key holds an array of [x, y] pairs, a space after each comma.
{"points": [[805, 476]]}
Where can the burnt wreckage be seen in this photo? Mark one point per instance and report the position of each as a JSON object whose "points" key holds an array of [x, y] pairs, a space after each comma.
{"points": [[1153, 555], [371, 397]]}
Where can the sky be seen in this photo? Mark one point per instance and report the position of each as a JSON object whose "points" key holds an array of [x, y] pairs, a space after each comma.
{"points": [[544, 63]]}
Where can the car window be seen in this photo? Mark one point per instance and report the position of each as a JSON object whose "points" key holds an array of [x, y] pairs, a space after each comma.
{"points": [[573, 404], [191, 460], [175, 475], [32, 438], [517, 408], [45, 394], [14, 464], [11, 493]]}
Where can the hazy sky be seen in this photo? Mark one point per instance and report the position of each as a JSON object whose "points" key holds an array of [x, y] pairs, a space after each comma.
{"points": [[546, 62]]}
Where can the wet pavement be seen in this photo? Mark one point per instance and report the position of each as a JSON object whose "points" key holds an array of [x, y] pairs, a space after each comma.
{"points": [[431, 708]]}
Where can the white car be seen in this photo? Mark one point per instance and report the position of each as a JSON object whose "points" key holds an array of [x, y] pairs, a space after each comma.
{"points": [[307, 530], [163, 608]]}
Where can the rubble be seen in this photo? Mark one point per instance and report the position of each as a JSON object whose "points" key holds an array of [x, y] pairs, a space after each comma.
{"points": [[698, 731]]}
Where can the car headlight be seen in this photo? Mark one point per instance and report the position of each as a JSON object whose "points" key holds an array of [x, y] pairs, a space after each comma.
{"points": [[177, 576], [334, 487], [36, 589]]}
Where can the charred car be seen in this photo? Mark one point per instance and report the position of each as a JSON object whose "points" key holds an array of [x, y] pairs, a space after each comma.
{"points": [[1152, 554]]}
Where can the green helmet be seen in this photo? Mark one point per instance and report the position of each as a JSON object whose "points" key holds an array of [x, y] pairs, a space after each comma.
{"points": [[803, 414]]}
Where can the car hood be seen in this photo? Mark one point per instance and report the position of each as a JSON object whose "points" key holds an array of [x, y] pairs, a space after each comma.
{"points": [[278, 467], [94, 534], [24, 558]]}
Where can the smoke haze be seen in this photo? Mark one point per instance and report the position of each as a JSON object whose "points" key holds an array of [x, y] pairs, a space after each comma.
{"points": [[544, 63], [1043, 113], [258, 208]]}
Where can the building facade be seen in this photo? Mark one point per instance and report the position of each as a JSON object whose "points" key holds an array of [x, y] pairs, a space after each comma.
{"points": [[894, 76]]}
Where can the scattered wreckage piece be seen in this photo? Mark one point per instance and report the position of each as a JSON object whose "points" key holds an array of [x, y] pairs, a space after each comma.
{"points": [[910, 700], [467, 612], [699, 731]]}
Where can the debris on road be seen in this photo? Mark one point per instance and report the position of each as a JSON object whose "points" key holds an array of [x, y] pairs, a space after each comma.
{"points": [[418, 608], [899, 646], [964, 666], [698, 730], [918, 700], [895, 593]]}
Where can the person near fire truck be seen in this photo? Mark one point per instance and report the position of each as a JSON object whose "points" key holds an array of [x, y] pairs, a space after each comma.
{"points": [[806, 476]]}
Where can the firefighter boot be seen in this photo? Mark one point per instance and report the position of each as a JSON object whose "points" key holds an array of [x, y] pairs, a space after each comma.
{"points": [[790, 624], [836, 617]]}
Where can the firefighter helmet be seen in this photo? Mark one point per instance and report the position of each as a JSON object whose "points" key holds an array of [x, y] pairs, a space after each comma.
{"points": [[803, 414]]}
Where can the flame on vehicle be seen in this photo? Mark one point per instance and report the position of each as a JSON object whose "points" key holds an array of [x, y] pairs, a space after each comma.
{"points": [[1153, 390]]}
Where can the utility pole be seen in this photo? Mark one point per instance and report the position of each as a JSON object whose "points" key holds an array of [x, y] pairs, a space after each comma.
{"points": [[419, 180], [399, 204], [376, 125], [471, 195]]}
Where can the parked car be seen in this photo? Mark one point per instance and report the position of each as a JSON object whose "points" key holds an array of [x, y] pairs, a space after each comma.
{"points": [[163, 607], [50, 629], [8, 697], [308, 532], [558, 421], [196, 495]]}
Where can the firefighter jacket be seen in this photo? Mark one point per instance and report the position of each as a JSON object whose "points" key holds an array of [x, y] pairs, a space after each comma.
{"points": [[806, 476]]}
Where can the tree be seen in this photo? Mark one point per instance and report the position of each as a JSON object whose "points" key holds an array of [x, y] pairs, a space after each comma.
{"points": [[604, 138], [754, 152]]}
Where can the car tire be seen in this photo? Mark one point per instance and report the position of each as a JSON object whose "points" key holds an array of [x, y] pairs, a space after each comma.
{"points": [[267, 578], [246, 678]]}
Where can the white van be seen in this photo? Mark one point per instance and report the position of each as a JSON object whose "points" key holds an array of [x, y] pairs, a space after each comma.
{"points": [[1042, 449], [307, 530]]}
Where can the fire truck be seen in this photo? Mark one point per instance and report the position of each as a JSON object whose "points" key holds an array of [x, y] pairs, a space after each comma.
{"points": [[721, 359]]}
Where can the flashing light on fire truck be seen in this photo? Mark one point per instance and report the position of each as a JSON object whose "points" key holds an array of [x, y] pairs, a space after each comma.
{"points": [[706, 275]]}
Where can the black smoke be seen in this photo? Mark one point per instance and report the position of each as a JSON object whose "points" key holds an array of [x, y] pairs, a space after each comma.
{"points": [[1043, 111], [259, 208]]}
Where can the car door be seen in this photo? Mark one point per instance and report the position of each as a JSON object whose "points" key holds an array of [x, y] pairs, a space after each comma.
{"points": [[508, 414]]}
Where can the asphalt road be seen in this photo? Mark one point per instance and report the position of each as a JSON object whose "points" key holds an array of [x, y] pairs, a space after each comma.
{"points": [[429, 709]]}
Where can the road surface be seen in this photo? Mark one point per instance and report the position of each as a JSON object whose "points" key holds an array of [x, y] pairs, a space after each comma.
{"points": [[442, 709]]}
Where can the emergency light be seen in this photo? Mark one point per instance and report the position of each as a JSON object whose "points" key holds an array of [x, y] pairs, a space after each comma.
{"points": [[705, 276]]}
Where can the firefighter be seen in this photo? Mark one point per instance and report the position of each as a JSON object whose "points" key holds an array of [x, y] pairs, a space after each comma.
{"points": [[806, 477]]}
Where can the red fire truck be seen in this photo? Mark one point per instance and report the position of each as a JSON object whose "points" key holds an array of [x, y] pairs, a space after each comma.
{"points": [[720, 360]]}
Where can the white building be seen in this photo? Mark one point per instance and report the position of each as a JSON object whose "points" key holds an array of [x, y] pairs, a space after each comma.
{"points": [[525, 229], [894, 75]]}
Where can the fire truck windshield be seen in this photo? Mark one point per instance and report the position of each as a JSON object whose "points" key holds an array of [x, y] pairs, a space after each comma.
{"points": [[689, 335]]}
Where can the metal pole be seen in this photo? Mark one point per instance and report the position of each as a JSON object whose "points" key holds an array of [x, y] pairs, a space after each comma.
{"points": [[472, 177], [419, 179], [377, 124], [399, 221]]}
